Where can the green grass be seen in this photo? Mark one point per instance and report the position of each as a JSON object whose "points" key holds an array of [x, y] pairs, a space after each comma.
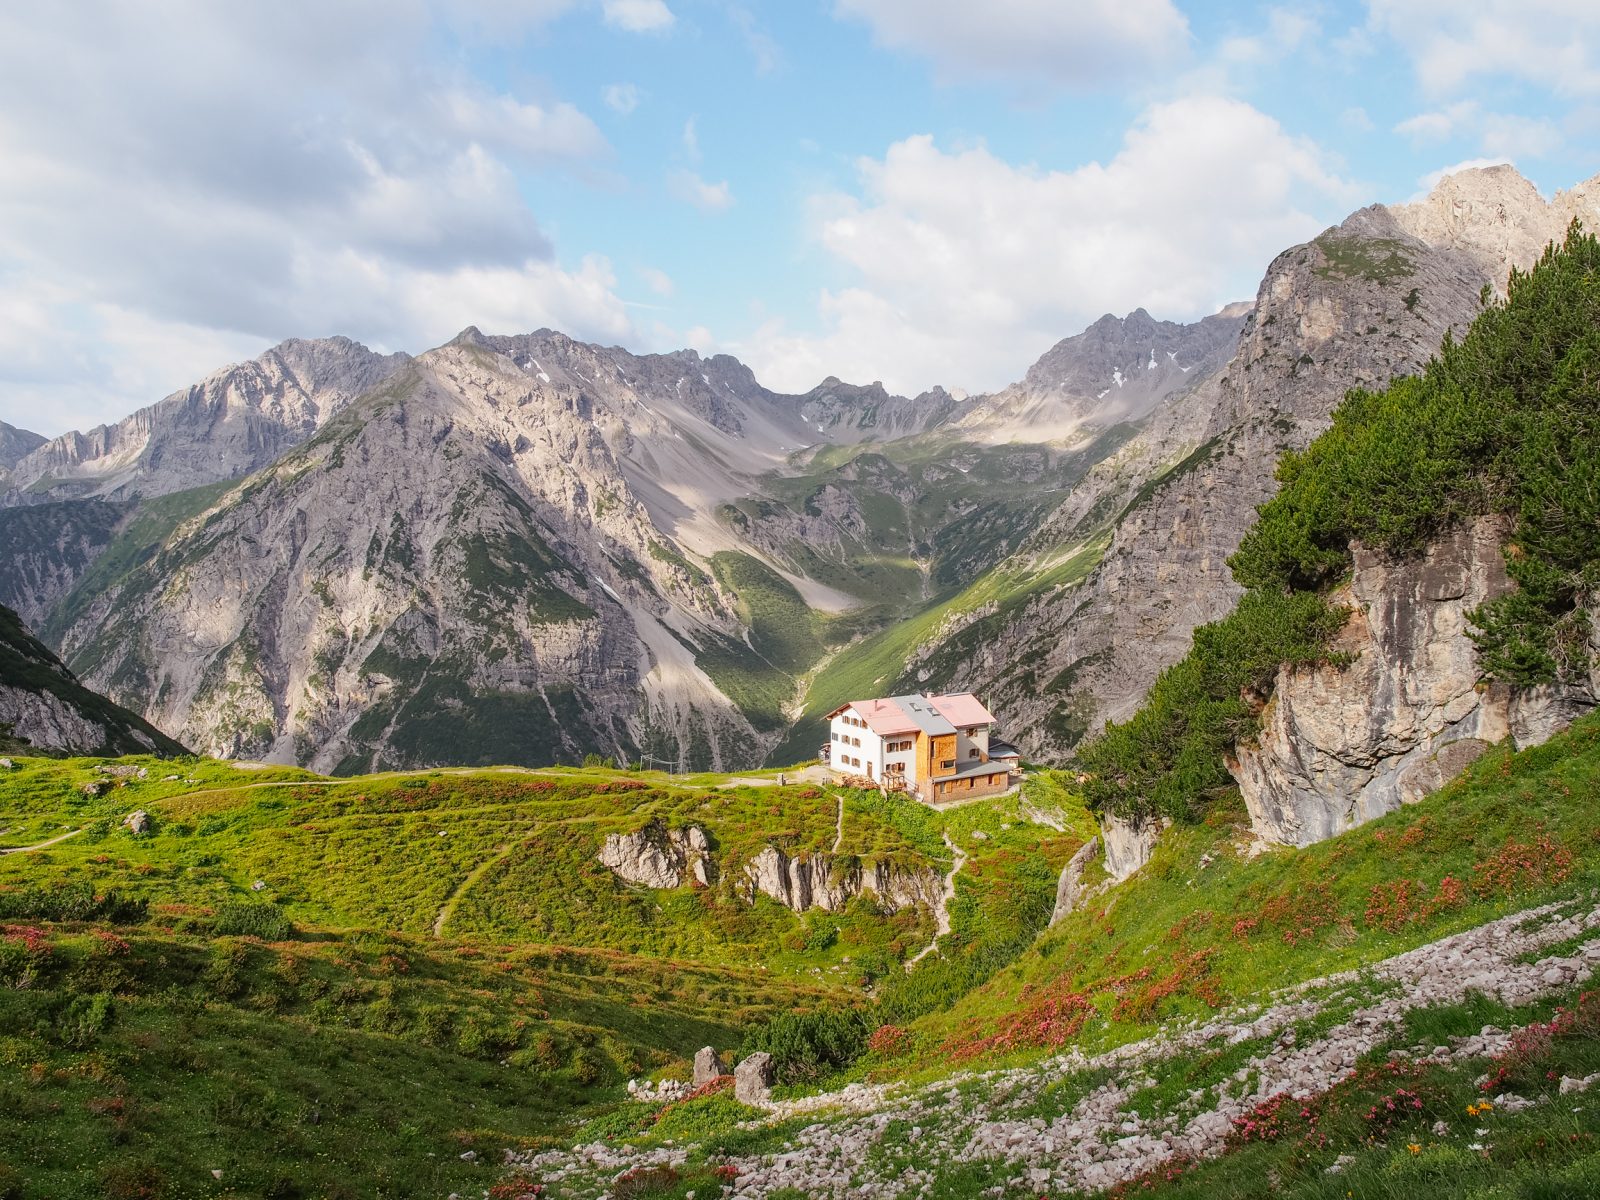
{"points": [[348, 1049], [1181, 938]]}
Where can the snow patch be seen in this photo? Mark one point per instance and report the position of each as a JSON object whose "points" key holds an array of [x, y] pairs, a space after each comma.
{"points": [[1116, 377]]}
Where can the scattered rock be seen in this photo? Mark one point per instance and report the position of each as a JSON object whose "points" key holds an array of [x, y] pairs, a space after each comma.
{"points": [[707, 1066], [470, 1156], [137, 823], [752, 1080], [6, 764]]}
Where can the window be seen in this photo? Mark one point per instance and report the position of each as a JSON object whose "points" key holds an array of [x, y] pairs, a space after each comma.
{"points": [[948, 764], [973, 753]]}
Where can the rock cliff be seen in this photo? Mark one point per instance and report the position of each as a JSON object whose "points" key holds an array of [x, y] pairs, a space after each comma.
{"points": [[659, 857], [828, 882], [1402, 710], [45, 710], [15, 445]]}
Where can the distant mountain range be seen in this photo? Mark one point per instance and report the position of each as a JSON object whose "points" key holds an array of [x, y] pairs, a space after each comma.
{"points": [[526, 549]]}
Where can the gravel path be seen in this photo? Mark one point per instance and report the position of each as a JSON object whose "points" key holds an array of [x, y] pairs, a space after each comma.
{"points": [[1101, 1141], [942, 913], [41, 845]]}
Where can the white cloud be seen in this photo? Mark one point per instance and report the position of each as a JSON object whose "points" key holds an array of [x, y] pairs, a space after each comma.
{"points": [[1522, 137], [1499, 135], [157, 218], [763, 49], [657, 281], [707, 197], [638, 16], [1439, 124], [1552, 43], [620, 97], [691, 140], [1084, 43], [1356, 119], [970, 266]]}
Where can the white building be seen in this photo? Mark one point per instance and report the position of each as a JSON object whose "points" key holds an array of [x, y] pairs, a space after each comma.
{"points": [[934, 746]]}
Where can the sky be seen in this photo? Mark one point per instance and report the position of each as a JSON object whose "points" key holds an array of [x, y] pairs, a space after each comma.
{"points": [[915, 191]]}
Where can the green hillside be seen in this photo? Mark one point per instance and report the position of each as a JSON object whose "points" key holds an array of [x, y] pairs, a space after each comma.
{"points": [[330, 987], [1208, 927]]}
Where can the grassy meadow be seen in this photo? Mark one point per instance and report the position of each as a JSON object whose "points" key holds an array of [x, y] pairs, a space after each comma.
{"points": [[338, 987]]}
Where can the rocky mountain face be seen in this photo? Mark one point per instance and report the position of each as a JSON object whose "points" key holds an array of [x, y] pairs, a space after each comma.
{"points": [[1366, 301], [15, 445], [1120, 369], [45, 710], [486, 559], [235, 421], [1406, 713], [529, 548], [844, 413]]}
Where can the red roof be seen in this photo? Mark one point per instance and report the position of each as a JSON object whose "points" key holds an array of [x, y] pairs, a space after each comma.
{"points": [[962, 708], [883, 717]]}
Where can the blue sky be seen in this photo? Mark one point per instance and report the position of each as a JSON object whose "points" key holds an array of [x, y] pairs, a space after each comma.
{"points": [[918, 191]]}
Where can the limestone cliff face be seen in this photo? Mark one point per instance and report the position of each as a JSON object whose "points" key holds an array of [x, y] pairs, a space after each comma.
{"points": [[1342, 744], [823, 881], [235, 421], [1367, 301], [659, 857]]}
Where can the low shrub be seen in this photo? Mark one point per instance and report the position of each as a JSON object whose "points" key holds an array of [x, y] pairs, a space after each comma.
{"points": [[806, 1045], [245, 918]]}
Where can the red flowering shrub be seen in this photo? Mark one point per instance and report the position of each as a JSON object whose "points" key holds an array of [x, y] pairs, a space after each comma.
{"points": [[1522, 866], [517, 1187], [888, 1041], [1301, 914], [1191, 975], [1052, 1016], [36, 941], [109, 944], [1526, 1061], [1158, 1176]]}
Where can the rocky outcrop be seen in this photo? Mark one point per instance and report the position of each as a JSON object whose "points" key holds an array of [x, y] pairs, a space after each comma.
{"points": [[1069, 888], [1128, 844], [659, 857], [15, 445], [707, 1066], [829, 882], [45, 710], [1342, 744]]}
